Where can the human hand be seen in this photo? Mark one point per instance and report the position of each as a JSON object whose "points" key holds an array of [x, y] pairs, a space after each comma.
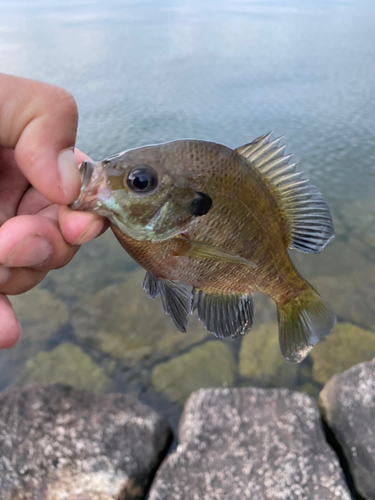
{"points": [[38, 172]]}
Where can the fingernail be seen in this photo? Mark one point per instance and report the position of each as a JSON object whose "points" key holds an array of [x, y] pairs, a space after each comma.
{"points": [[91, 231], [4, 274], [32, 251], [70, 179]]}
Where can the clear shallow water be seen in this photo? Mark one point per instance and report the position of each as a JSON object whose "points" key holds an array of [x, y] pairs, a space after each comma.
{"points": [[226, 71]]}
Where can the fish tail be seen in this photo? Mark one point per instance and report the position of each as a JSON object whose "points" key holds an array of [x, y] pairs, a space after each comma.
{"points": [[303, 321]]}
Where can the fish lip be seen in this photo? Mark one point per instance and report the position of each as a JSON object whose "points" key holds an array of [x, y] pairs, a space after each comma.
{"points": [[85, 169]]}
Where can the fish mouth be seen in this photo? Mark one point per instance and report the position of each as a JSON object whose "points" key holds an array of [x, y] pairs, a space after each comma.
{"points": [[86, 170], [92, 174]]}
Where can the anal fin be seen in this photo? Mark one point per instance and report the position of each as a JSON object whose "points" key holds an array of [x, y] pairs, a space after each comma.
{"points": [[225, 315]]}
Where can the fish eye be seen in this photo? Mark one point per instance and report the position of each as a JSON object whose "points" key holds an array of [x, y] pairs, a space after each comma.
{"points": [[200, 205], [142, 179]]}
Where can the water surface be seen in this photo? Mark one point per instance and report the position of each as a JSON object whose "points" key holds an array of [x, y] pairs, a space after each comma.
{"points": [[227, 71]]}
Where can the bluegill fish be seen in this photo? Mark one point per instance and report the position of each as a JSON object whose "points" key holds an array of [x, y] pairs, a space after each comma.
{"points": [[197, 213]]}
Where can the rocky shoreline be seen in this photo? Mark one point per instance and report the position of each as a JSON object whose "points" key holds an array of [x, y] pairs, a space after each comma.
{"points": [[60, 443]]}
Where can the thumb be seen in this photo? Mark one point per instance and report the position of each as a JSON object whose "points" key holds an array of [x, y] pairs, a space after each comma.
{"points": [[39, 121]]}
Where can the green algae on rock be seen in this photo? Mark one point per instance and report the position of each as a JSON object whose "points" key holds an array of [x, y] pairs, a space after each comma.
{"points": [[117, 321], [66, 364], [211, 364], [347, 346], [40, 313], [261, 361]]}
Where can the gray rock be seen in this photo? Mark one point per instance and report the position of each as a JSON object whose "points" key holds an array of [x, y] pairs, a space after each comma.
{"points": [[347, 402], [249, 443], [59, 443]]}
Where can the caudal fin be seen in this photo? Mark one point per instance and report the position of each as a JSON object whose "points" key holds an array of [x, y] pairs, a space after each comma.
{"points": [[302, 323]]}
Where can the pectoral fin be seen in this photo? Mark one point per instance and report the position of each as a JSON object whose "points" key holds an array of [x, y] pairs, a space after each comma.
{"points": [[198, 250]]}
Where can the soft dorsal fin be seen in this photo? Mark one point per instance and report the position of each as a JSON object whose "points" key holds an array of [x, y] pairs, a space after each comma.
{"points": [[305, 212]]}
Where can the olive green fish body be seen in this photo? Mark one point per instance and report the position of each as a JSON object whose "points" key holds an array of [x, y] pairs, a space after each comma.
{"points": [[221, 221]]}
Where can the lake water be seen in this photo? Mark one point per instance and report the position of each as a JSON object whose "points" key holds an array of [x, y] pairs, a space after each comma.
{"points": [[226, 71]]}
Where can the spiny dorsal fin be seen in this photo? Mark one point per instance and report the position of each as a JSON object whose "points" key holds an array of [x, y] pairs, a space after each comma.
{"points": [[306, 213], [227, 316]]}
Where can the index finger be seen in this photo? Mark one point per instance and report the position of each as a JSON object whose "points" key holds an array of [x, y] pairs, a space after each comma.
{"points": [[39, 121]]}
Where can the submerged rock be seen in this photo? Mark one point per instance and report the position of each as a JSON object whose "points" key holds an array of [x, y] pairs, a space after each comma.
{"points": [[358, 216], [121, 321], [264, 310], [83, 276], [309, 389], [58, 443], [66, 364], [40, 313], [347, 403], [338, 259], [209, 365], [250, 444], [345, 347], [261, 360], [351, 297]]}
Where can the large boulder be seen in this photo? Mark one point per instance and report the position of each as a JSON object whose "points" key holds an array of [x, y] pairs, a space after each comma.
{"points": [[57, 442], [347, 403], [258, 444]]}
